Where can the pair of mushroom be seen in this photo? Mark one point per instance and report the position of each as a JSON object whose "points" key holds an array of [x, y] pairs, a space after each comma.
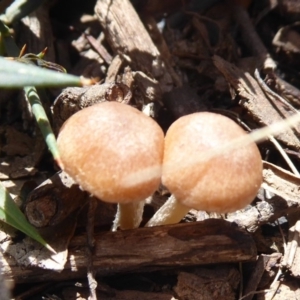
{"points": [[118, 154]]}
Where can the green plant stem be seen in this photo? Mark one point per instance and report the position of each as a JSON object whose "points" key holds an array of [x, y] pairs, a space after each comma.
{"points": [[8, 41], [42, 121]]}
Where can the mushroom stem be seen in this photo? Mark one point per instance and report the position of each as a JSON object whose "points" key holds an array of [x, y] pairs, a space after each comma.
{"points": [[170, 213], [128, 216]]}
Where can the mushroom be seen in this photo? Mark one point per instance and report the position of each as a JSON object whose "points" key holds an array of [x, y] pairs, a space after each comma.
{"points": [[201, 175], [114, 152]]}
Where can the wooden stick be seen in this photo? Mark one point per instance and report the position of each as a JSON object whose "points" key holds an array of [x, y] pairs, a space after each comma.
{"points": [[129, 38], [148, 249]]}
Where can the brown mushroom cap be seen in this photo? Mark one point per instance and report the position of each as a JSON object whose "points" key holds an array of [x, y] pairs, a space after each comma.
{"points": [[222, 183], [113, 151]]}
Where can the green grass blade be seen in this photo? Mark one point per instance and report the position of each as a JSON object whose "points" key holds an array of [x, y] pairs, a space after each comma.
{"points": [[8, 41], [14, 74], [12, 215], [42, 121], [19, 9]]}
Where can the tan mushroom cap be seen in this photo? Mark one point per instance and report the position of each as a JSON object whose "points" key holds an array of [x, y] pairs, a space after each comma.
{"points": [[222, 183], [113, 151]]}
